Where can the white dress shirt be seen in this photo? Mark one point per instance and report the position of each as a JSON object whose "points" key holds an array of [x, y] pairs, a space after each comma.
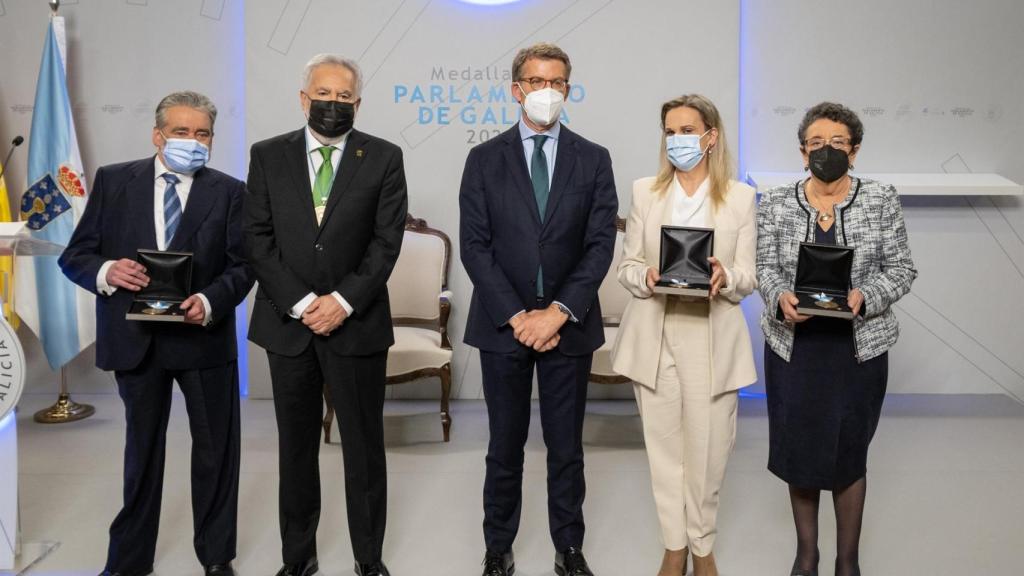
{"points": [[315, 160], [692, 211], [550, 147], [183, 187]]}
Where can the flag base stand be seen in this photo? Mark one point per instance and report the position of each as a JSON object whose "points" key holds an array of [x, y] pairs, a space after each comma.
{"points": [[65, 409]]}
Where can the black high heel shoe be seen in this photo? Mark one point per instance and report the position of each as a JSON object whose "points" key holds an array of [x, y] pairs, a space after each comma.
{"points": [[796, 571]]}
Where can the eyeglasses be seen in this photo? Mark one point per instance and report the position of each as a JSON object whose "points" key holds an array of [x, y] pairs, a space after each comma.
{"points": [[347, 97], [837, 142], [541, 83]]}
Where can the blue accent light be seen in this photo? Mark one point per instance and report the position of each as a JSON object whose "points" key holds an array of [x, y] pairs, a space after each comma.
{"points": [[744, 95], [7, 422], [242, 310], [488, 2]]}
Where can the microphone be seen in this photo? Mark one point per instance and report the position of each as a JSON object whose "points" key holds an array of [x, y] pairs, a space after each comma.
{"points": [[14, 144]]}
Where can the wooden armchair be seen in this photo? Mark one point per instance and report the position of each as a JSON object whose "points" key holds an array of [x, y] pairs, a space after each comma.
{"points": [[613, 298], [420, 306]]}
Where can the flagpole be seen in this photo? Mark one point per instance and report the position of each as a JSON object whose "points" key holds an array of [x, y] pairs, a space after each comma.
{"points": [[65, 409]]}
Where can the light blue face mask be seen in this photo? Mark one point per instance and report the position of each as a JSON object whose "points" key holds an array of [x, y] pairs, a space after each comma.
{"points": [[684, 150], [185, 155]]}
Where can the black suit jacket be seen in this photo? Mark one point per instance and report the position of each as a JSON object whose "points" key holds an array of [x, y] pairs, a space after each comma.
{"points": [[503, 240], [118, 220], [352, 251]]}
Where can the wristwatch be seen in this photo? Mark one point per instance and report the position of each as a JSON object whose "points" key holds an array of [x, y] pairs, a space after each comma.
{"points": [[564, 309]]}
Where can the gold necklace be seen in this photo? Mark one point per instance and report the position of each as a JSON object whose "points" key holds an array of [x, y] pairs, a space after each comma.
{"points": [[823, 215]]}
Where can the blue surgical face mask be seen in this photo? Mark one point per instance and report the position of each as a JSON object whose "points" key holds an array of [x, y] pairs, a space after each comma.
{"points": [[684, 150], [185, 155]]}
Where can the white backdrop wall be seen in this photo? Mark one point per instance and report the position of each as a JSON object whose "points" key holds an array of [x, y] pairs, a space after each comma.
{"points": [[623, 69], [123, 56], [938, 85]]}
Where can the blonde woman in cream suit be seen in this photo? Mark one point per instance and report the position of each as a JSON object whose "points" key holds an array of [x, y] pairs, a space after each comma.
{"points": [[688, 359]]}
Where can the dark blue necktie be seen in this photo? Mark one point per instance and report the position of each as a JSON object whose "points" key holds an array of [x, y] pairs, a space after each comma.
{"points": [[172, 209], [539, 176]]}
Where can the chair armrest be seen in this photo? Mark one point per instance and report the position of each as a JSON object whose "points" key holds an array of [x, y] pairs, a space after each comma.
{"points": [[445, 304]]}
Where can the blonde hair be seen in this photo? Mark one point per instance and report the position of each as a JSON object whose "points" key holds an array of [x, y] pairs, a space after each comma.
{"points": [[720, 168]]}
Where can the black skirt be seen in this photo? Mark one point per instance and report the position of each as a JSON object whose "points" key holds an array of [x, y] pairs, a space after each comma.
{"points": [[823, 406]]}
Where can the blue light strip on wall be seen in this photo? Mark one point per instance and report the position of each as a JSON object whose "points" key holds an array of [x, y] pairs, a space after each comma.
{"points": [[741, 156], [242, 311], [743, 95], [7, 421], [488, 2]]}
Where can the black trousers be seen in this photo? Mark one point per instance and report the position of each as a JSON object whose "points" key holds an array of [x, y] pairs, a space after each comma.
{"points": [[356, 385], [562, 387], [211, 399]]}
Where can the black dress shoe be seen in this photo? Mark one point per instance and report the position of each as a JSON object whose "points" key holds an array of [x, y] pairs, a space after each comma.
{"points": [[219, 570], [307, 568], [143, 573], [498, 564], [372, 569], [571, 562]]}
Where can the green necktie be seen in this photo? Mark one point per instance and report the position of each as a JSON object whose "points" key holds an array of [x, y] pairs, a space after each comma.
{"points": [[539, 176], [324, 177]]}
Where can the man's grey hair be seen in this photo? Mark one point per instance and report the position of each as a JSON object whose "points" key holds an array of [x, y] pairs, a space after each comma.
{"points": [[336, 60], [185, 98]]}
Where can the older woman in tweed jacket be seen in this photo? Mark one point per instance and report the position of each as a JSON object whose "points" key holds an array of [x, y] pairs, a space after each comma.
{"points": [[826, 377]]}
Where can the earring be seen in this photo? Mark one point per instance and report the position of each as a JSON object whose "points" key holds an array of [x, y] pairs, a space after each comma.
{"points": [[806, 168], [851, 166]]}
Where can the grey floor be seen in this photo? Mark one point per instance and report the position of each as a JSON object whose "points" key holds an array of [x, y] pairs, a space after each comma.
{"points": [[945, 496]]}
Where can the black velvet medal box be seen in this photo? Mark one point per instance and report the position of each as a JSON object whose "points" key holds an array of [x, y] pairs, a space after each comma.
{"points": [[685, 270], [823, 280], [170, 282]]}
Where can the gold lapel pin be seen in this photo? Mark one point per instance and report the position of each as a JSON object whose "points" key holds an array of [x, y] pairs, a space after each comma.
{"points": [[359, 153]]}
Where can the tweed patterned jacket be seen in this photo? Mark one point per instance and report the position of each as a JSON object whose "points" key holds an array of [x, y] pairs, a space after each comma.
{"points": [[871, 221]]}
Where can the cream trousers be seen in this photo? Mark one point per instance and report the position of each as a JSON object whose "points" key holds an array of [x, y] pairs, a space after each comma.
{"points": [[688, 433]]}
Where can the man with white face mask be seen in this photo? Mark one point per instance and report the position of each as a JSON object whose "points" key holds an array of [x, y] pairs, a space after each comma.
{"points": [[169, 202], [538, 207]]}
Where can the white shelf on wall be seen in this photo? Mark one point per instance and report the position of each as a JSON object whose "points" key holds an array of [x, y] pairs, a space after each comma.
{"points": [[911, 184]]}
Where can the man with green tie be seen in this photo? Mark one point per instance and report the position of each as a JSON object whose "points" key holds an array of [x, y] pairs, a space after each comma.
{"points": [[537, 230], [324, 221]]}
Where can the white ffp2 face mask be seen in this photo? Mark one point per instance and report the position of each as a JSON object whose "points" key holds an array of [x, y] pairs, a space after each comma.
{"points": [[543, 106]]}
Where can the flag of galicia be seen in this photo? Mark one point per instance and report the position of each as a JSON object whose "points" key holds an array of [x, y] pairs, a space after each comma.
{"points": [[43, 203]]}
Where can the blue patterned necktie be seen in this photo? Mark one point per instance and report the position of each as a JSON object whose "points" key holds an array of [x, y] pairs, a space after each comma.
{"points": [[172, 208], [539, 176]]}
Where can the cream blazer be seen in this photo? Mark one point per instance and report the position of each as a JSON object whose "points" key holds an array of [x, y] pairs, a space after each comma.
{"points": [[637, 347]]}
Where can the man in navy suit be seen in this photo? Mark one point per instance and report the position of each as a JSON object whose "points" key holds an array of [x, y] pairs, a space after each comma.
{"points": [[538, 208], [170, 201]]}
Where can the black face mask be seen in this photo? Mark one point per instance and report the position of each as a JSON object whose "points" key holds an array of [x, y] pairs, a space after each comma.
{"points": [[331, 118], [829, 164]]}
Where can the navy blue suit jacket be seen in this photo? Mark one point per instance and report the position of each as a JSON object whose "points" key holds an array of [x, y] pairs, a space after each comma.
{"points": [[503, 241], [118, 220]]}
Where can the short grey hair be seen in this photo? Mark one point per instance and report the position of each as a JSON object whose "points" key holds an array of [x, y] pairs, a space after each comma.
{"points": [[334, 60], [185, 98]]}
